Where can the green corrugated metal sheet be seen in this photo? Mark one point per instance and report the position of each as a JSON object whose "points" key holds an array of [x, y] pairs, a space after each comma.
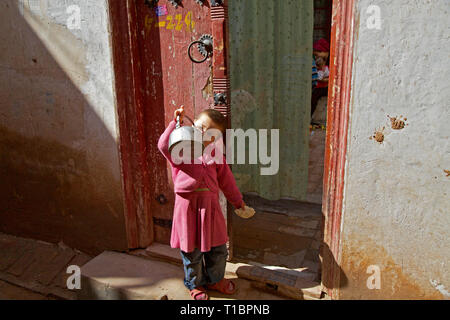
{"points": [[271, 56]]}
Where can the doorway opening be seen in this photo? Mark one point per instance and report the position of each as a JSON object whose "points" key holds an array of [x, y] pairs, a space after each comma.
{"points": [[288, 233], [146, 192]]}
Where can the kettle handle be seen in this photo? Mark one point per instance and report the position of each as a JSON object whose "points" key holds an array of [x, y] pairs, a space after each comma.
{"points": [[178, 121]]}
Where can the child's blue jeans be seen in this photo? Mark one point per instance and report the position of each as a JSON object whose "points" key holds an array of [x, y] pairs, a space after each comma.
{"points": [[201, 268]]}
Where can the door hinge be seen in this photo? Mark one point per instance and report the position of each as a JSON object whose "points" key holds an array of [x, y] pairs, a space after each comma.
{"points": [[220, 98], [175, 3], [216, 3]]}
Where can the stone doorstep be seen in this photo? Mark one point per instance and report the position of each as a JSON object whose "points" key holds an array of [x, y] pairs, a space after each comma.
{"points": [[117, 276], [160, 252], [121, 276], [167, 254], [302, 288]]}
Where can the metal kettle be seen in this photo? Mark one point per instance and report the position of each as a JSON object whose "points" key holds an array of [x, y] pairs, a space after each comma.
{"points": [[187, 137]]}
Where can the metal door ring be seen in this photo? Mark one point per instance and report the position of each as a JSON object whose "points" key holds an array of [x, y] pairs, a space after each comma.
{"points": [[205, 47], [189, 52]]}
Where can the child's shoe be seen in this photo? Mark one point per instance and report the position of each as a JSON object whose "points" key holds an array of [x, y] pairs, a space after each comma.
{"points": [[224, 286], [199, 294]]}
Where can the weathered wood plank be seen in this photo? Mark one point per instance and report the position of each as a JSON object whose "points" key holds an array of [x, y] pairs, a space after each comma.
{"points": [[294, 286]]}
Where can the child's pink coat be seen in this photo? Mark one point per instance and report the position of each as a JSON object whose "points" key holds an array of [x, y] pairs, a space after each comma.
{"points": [[198, 221]]}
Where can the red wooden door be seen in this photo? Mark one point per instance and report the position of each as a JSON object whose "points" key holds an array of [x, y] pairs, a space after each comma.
{"points": [[168, 78]]}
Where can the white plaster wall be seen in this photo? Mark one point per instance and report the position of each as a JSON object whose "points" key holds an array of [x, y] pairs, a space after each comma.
{"points": [[397, 196], [59, 121], [84, 55]]}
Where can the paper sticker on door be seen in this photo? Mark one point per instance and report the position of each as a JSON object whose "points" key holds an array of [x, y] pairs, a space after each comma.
{"points": [[161, 11]]}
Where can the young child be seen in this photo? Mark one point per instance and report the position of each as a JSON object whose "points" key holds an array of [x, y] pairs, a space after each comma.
{"points": [[321, 51], [199, 229]]}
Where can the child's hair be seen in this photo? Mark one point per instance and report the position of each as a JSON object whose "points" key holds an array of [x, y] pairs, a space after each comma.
{"points": [[217, 117]]}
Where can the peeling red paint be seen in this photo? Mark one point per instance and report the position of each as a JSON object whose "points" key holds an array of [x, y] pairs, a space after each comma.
{"points": [[336, 142]]}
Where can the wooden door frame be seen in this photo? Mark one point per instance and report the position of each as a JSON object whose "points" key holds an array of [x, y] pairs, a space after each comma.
{"points": [[130, 114], [339, 97], [132, 142]]}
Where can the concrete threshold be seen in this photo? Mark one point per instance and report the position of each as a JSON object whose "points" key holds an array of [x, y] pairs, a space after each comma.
{"points": [[292, 283], [121, 276]]}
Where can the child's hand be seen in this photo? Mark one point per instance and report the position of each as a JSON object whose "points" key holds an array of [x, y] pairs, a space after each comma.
{"points": [[179, 112]]}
